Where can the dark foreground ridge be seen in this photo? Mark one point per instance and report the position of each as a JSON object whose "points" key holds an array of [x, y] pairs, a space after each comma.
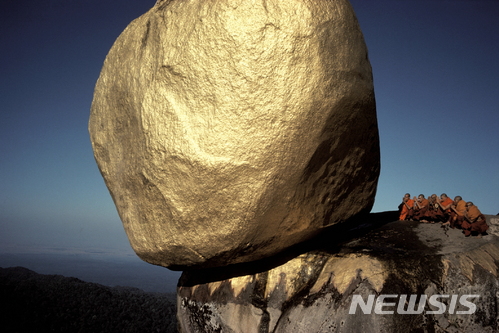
{"points": [[32, 302]]}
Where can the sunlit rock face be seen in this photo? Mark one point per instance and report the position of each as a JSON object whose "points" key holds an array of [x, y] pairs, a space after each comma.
{"points": [[433, 280], [227, 131]]}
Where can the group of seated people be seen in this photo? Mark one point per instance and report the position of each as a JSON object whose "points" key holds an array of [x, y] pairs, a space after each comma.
{"points": [[455, 213]]}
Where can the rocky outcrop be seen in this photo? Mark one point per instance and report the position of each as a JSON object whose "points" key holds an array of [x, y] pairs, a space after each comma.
{"points": [[367, 284], [228, 131], [493, 223]]}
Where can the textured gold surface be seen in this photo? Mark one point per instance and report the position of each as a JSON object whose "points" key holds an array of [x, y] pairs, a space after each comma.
{"points": [[227, 131]]}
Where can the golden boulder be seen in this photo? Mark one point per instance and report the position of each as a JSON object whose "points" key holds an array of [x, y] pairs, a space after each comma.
{"points": [[229, 130]]}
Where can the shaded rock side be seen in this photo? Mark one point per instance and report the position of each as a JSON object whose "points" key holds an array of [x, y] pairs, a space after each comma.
{"points": [[227, 131], [314, 291], [493, 223]]}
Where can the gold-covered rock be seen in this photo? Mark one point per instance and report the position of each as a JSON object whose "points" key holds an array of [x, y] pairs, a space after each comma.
{"points": [[229, 130]]}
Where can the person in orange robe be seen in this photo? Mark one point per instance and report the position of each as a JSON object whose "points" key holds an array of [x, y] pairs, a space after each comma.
{"points": [[457, 215], [444, 205], [421, 208], [405, 207], [434, 213], [474, 221]]}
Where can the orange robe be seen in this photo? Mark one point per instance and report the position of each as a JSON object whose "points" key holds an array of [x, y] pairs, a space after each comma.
{"points": [[434, 212], [457, 217], [461, 208], [448, 201], [404, 211], [475, 221], [421, 213], [440, 214]]}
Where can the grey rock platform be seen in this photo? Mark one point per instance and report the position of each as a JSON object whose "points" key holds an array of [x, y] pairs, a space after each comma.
{"points": [[313, 291]]}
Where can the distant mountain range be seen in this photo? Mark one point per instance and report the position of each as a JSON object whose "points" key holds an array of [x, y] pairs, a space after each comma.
{"points": [[106, 269]]}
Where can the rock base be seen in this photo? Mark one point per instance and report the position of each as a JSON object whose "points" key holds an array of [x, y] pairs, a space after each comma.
{"points": [[363, 285]]}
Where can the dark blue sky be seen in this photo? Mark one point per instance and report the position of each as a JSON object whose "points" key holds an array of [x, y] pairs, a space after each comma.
{"points": [[436, 73]]}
